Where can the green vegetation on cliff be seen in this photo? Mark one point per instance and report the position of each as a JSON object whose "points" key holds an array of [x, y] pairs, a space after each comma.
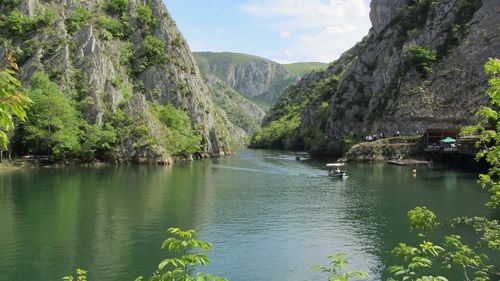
{"points": [[450, 250], [240, 111], [258, 79], [406, 75], [302, 68], [113, 79]]}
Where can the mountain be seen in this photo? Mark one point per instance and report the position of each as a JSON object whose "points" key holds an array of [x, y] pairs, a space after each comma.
{"points": [[240, 111], [125, 69], [302, 68], [261, 80], [420, 66]]}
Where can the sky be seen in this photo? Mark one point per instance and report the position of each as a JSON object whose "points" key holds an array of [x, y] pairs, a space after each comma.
{"points": [[281, 30]]}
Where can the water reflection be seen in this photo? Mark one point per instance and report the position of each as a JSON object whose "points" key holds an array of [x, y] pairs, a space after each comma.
{"points": [[269, 216]]}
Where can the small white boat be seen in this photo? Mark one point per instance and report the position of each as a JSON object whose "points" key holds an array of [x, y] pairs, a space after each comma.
{"points": [[335, 170]]}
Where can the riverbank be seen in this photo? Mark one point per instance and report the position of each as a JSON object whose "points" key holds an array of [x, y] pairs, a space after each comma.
{"points": [[386, 149], [36, 162]]}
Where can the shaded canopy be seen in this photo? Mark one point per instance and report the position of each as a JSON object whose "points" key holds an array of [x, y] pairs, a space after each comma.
{"points": [[447, 140]]}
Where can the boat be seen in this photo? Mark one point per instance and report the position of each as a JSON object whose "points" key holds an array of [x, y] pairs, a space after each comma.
{"points": [[335, 170]]}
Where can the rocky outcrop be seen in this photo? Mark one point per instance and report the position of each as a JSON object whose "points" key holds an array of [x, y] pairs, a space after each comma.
{"points": [[385, 149], [106, 63], [420, 66], [383, 12]]}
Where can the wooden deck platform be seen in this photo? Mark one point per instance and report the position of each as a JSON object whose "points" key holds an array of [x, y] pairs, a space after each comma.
{"points": [[408, 162]]}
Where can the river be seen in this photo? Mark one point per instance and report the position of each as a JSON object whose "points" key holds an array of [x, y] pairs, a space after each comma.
{"points": [[268, 216]]}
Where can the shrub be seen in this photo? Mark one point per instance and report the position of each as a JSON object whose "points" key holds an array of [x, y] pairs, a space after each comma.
{"points": [[182, 139], [53, 126], [110, 26], [45, 18], [274, 135], [117, 7], [74, 21], [422, 58], [126, 53], [16, 24], [145, 18], [155, 50]]}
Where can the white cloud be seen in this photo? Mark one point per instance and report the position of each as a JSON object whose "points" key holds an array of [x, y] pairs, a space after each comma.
{"points": [[325, 28], [285, 34]]}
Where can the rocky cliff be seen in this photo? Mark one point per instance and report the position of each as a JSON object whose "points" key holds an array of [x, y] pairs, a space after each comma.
{"points": [[118, 58], [239, 110], [420, 66], [256, 78]]}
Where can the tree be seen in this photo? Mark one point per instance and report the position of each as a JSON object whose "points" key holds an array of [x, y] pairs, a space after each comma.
{"points": [[12, 101], [488, 131], [450, 250], [53, 126]]}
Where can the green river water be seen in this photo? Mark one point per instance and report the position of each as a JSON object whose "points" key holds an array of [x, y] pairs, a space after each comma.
{"points": [[269, 217]]}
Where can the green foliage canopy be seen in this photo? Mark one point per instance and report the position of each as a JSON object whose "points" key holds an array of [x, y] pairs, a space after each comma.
{"points": [[155, 50], [117, 7], [422, 58], [145, 18], [111, 26], [181, 139], [488, 131], [53, 126], [18, 25], [275, 134], [74, 21]]}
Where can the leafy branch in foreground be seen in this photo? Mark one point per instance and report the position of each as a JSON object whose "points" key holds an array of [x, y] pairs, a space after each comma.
{"points": [[81, 275], [12, 101], [188, 252], [488, 131], [451, 250], [335, 266]]}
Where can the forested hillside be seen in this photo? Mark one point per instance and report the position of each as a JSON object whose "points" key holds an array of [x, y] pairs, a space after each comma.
{"points": [[420, 66], [112, 80]]}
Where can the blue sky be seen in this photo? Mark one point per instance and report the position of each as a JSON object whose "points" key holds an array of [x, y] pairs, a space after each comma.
{"points": [[281, 30]]}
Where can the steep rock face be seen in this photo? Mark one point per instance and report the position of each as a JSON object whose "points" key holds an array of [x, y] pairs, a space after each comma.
{"points": [[390, 81], [116, 70], [384, 11], [256, 78], [239, 110]]}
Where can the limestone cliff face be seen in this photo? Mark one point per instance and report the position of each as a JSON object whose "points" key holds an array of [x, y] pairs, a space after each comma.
{"points": [[384, 11], [256, 78], [110, 70], [239, 110], [383, 84]]}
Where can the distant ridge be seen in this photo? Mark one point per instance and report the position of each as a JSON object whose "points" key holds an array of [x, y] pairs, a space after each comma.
{"points": [[259, 79]]}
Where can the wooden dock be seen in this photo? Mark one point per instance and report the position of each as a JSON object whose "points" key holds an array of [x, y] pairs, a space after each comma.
{"points": [[408, 162]]}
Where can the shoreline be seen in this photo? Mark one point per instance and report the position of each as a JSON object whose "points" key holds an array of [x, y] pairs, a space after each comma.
{"points": [[23, 163]]}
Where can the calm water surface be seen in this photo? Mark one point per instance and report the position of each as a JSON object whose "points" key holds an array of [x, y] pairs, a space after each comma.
{"points": [[269, 217]]}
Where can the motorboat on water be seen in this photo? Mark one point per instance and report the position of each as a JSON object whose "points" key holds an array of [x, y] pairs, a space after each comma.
{"points": [[335, 171]]}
